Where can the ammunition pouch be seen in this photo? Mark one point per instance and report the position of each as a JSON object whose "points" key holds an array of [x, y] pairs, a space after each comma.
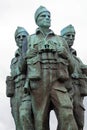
{"points": [[62, 70], [34, 68], [10, 86]]}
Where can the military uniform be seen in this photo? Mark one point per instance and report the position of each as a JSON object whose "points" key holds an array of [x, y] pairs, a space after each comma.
{"points": [[79, 90], [48, 72], [78, 79], [20, 102], [19, 80]]}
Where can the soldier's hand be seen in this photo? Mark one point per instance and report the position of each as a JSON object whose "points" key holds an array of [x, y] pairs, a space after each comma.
{"points": [[62, 52]]}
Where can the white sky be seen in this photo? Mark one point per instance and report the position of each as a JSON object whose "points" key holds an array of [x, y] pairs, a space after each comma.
{"points": [[15, 13]]}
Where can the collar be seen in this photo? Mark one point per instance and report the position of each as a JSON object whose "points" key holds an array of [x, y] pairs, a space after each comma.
{"points": [[38, 31]]}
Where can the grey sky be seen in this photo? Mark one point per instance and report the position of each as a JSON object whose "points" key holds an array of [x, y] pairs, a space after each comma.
{"points": [[15, 13]]}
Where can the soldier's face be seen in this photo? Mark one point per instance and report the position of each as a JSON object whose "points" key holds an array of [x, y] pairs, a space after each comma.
{"points": [[20, 38], [44, 20], [70, 37]]}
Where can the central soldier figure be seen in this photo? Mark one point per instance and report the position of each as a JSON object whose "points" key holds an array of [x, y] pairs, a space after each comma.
{"points": [[49, 65]]}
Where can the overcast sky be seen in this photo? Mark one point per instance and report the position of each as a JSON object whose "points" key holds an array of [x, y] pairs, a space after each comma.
{"points": [[15, 13]]}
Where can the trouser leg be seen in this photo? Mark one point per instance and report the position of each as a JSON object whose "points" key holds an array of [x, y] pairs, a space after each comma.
{"points": [[26, 116], [63, 109], [15, 114], [40, 103], [78, 111], [78, 108], [15, 104]]}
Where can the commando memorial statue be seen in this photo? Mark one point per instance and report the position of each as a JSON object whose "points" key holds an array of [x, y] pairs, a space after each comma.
{"points": [[46, 75]]}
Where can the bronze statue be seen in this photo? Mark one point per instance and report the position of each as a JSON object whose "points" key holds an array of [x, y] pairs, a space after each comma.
{"points": [[49, 64], [20, 101], [79, 79], [46, 75]]}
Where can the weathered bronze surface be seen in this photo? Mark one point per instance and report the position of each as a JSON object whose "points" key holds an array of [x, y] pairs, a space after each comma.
{"points": [[46, 75]]}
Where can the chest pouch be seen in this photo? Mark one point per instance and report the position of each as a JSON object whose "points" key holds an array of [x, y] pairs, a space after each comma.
{"points": [[34, 68]]}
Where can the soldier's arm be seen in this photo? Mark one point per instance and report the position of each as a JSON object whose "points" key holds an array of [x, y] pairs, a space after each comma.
{"points": [[65, 53]]}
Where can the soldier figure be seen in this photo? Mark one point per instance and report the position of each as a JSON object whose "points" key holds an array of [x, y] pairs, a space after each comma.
{"points": [[20, 102], [49, 65], [78, 78]]}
